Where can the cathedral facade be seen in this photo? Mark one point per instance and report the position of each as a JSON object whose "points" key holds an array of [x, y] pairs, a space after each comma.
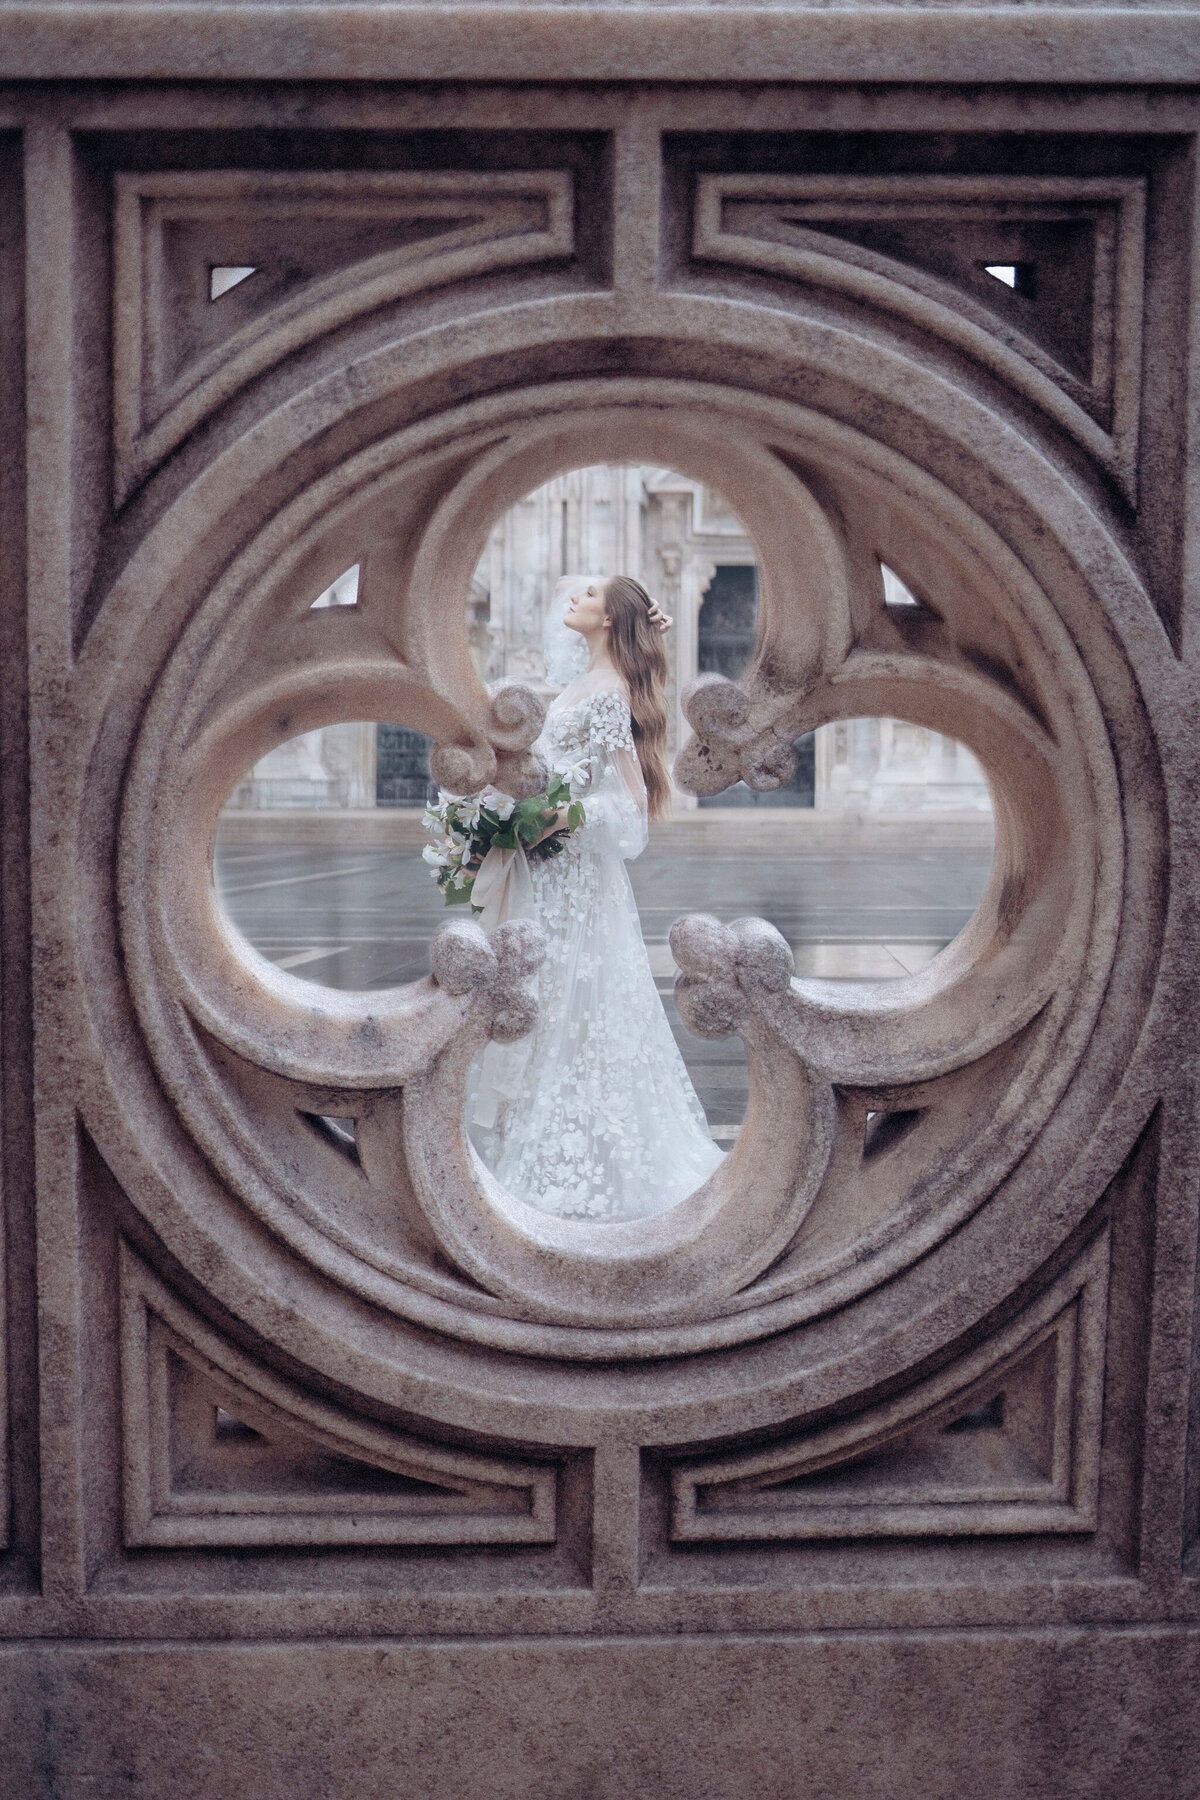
{"points": [[680, 539]]}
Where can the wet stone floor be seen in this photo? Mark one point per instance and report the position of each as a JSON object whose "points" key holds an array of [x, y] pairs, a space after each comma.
{"points": [[352, 918]]}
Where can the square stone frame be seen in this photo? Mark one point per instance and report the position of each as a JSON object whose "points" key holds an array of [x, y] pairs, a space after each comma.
{"points": [[591, 1652]]}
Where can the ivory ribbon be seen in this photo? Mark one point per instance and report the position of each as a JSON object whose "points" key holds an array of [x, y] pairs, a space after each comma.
{"points": [[504, 890], [502, 887]]}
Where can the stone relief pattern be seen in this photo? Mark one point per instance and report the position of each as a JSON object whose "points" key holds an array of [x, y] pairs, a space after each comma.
{"points": [[218, 1452], [404, 1285], [1018, 1451], [327, 248], [918, 246]]}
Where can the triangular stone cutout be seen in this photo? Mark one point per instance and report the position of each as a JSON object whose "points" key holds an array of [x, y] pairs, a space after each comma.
{"points": [[224, 276], [1021, 278], [1053, 307], [227, 1426], [1000, 1448], [898, 594], [282, 261], [1040, 278], [342, 592], [885, 1129], [341, 1133], [215, 1452], [980, 1418]]}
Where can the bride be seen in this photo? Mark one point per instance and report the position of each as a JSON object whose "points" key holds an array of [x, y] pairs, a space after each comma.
{"points": [[593, 1116]]}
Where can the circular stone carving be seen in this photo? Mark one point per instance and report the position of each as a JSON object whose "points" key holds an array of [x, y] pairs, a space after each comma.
{"points": [[986, 1044]]}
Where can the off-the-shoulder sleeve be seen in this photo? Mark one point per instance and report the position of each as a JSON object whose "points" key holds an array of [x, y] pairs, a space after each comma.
{"points": [[614, 793]]}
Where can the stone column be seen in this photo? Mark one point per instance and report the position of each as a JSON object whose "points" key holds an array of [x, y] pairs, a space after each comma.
{"points": [[348, 753]]}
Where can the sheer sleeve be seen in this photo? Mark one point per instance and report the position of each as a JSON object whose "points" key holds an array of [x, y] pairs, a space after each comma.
{"points": [[610, 780]]}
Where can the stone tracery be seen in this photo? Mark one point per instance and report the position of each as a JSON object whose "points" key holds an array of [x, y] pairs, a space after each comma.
{"points": [[307, 1411], [826, 649], [894, 1136]]}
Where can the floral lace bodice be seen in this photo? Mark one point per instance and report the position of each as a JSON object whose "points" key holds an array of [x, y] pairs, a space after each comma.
{"points": [[589, 738], [601, 720]]}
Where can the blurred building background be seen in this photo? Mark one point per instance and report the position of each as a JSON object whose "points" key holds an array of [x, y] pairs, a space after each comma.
{"points": [[679, 538]]}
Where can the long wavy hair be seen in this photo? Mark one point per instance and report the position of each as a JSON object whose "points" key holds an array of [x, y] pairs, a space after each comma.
{"points": [[635, 646]]}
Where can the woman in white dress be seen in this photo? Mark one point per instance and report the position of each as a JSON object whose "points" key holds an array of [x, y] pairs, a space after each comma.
{"points": [[593, 1116]]}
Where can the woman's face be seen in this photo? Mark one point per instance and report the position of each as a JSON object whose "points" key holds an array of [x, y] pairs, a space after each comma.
{"points": [[585, 610]]}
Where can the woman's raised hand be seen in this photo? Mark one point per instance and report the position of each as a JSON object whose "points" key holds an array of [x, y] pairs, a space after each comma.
{"points": [[658, 617]]}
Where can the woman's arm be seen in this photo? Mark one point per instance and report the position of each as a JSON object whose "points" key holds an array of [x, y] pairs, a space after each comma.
{"points": [[615, 797]]}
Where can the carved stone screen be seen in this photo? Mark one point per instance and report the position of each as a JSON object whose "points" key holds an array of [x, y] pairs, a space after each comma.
{"points": [[869, 1469]]}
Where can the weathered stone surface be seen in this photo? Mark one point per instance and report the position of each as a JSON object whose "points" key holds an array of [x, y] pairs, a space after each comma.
{"points": [[867, 1469], [820, 1715]]}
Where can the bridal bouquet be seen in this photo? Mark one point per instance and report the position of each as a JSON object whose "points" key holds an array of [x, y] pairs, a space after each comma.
{"points": [[465, 831]]}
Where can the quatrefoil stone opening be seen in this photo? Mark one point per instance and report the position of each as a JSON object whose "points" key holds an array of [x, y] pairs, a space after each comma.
{"points": [[977, 1049]]}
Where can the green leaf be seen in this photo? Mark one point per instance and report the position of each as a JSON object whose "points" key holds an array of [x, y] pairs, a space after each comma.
{"points": [[531, 828]]}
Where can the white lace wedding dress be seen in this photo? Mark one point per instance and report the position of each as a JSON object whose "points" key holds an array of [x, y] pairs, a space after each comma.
{"points": [[593, 1116]]}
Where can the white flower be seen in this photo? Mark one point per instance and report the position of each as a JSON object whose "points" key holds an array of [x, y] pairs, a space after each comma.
{"points": [[576, 774], [497, 801], [433, 856]]}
